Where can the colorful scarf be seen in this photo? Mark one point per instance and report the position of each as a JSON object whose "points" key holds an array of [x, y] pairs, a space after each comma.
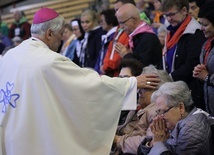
{"points": [[207, 48], [158, 14], [172, 40], [143, 27]]}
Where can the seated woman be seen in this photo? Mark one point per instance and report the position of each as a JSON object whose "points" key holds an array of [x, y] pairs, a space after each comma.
{"points": [[130, 134], [180, 128]]}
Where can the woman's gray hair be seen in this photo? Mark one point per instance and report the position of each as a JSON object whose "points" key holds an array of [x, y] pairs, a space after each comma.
{"points": [[163, 75], [174, 93], [55, 25], [162, 28]]}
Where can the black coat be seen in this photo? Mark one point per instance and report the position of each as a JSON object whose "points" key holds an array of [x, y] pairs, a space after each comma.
{"points": [[93, 47], [186, 58], [147, 49]]}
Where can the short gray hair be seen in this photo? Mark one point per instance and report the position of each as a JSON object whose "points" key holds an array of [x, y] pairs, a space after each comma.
{"points": [[162, 28], [55, 25], [164, 76], [174, 93]]}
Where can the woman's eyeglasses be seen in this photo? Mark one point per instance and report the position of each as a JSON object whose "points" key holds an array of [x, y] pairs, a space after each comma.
{"points": [[163, 112]]}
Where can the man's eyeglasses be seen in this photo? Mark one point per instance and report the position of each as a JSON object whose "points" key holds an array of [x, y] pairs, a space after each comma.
{"points": [[123, 22], [162, 112], [171, 14]]}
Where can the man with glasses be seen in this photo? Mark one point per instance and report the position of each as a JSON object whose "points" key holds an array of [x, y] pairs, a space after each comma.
{"points": [[119, 3], [183, 44], [144, 45]]}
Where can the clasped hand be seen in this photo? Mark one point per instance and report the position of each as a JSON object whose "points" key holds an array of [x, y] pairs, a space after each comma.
{"points": [[159, 130], [200, 71], [121, 49]]}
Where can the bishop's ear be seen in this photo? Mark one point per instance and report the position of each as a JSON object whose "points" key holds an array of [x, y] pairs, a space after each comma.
{"points": [[49, 34]]}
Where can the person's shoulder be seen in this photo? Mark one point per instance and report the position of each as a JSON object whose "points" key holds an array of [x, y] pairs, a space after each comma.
{"points": [[147, 34], [192, 27], [194, 120], [98, 31], [147, 37]]}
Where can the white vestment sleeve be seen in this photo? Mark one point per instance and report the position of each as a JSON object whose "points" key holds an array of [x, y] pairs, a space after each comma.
{"points": [[130, 101]]}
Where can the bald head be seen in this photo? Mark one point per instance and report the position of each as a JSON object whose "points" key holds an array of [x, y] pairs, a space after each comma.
{"points": [[128, 17], [128, 10]]}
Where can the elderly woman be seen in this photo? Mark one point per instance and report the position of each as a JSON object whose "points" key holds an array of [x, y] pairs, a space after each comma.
{"points": [[205, 70], [136, 127], [179, 128]]}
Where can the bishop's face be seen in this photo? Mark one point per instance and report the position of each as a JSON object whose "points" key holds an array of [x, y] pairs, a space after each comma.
{"points": [[54, 39]]}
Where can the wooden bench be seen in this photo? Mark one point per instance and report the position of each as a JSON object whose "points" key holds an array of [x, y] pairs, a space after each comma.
{"points": [[68, 9]]}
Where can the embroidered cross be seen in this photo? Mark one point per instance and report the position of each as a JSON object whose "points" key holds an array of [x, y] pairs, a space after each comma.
{"points": [[7, 98]]}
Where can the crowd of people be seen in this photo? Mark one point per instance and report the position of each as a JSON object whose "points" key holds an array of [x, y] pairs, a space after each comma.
{"points": [[18, 31], [135, 79]]}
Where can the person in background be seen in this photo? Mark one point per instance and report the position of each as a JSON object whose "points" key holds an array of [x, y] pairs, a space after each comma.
{"points": [[109, 24], [180, 128], [79, 33], [182, 49], [141, 37], [162, 33], [58, 107], [69, 42], [128, 67], [15, 42], [145, 8], [193, 9], [158, 19], [20, 27], [6, 42], [3, 27], [205, 70], [119, 3], [92, 40], [112, 58]]}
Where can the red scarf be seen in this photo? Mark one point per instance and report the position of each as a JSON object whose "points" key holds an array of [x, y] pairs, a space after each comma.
{"points": [[207, 48], [171, 41]]}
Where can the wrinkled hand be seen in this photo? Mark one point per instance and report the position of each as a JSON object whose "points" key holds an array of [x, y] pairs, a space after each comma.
{"points": [[116, 139], [200, 71], [148, 81], [159, 130], [121, 49]]}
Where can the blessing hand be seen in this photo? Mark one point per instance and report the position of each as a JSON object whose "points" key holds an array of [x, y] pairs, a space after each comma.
{"points": [[148, 81]]}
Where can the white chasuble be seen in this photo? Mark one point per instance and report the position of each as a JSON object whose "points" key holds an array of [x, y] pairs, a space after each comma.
{"points": [[50, 106]]}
